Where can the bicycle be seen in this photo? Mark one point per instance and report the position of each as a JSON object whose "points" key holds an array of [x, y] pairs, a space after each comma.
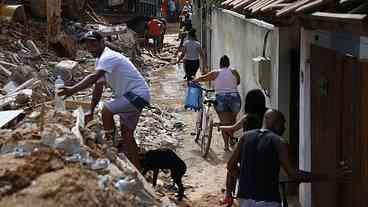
{"points": [[204, 123]]}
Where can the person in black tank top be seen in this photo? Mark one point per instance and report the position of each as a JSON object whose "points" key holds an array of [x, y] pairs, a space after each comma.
{"points": [[254, 108], [261, 153], [258, 155]]}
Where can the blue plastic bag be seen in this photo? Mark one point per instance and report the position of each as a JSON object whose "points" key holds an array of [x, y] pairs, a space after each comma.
{"points": [[194, 97]]}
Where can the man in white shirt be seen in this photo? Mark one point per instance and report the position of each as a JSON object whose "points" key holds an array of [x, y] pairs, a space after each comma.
{"points": [[131, 93]]}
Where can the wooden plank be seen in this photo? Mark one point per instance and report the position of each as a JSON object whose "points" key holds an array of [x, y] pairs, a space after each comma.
{"points": [[273, 4], [348, 18], [349, 126], [8, 64], [243, 4], [361, 191], [259, 3], [257, 8], [311, 5], [292, 8], [5, 71], [227, 3], [357, 28], [251, 4], [236, 2]]}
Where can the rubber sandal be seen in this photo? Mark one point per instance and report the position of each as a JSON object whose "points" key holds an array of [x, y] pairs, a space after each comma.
{"points": [[228, 200]]}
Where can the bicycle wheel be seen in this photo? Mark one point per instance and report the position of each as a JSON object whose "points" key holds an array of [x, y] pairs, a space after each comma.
{"points": [[198, 126], [207, 137]]}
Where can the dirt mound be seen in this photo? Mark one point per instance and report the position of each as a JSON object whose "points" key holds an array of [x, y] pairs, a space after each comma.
{"points": [[43, 179], [67, 187]]}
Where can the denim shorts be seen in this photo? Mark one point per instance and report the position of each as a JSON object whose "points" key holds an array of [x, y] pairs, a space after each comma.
{"points": [[228, 102]]}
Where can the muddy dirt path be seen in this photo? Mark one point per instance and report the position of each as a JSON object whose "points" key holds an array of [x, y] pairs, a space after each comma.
{"points": [[205, 178]]}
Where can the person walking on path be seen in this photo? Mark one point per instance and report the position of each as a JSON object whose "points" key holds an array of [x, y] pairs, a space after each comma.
{"points": [[261, 153], [228, 102], [155, 30], [191, 53], [254, 108], [131, 93]]}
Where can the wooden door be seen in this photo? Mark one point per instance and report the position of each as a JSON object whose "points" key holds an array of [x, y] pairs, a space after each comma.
{"points": [[325, 121], [333, 114], [349, 124]]}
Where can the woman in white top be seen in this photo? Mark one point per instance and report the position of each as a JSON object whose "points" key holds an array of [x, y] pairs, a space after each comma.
{"points": [[228, 102], [191, 52]]}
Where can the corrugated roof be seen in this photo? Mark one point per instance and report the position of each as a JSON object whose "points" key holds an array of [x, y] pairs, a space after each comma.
{"points": [[281, 8]]}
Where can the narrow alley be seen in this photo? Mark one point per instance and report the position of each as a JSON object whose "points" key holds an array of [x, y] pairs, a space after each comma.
{"points": [[203, 186], [112, 103]]}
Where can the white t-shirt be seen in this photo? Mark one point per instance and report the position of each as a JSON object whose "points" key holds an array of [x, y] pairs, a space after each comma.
{"points": [[192, 48], [121, 75]]}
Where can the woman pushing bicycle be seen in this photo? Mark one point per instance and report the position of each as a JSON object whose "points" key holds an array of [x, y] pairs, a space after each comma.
{"points": [[228, 102]]}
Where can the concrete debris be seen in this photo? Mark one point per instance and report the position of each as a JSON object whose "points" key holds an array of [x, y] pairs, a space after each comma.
{"points": [[66, 69], [159, 128]]}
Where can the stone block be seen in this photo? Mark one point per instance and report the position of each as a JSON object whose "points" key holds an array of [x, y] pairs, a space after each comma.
{"points": [[66, 69]]}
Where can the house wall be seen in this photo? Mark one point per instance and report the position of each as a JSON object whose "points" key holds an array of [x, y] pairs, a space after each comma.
{"points": [[242, 40], [305, 115]]}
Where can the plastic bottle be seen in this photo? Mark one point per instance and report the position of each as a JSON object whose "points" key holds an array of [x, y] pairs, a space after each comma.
{"points": [[59, 101]]}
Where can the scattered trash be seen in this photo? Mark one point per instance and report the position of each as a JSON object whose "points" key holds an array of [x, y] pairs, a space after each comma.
{"points": [[74, 158], [103, 181], [20, 152], [100, 164]]}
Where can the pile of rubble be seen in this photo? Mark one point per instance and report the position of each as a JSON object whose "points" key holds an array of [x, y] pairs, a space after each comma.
{"points": [[51, 158], [159, 129], [47, 159]]}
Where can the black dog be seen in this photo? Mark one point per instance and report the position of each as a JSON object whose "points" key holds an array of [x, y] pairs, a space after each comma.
{"points": [[164, 159]]}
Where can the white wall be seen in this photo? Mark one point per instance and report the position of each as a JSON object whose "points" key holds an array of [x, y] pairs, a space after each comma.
{"points": [[305, 115], [363, 53], [242, 39]]}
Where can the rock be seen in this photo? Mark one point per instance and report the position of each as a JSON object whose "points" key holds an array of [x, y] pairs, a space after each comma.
{"points": [[66, 69]]}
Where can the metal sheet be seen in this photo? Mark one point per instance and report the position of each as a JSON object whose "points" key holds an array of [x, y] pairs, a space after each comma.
{"points": [[8, 116]]}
